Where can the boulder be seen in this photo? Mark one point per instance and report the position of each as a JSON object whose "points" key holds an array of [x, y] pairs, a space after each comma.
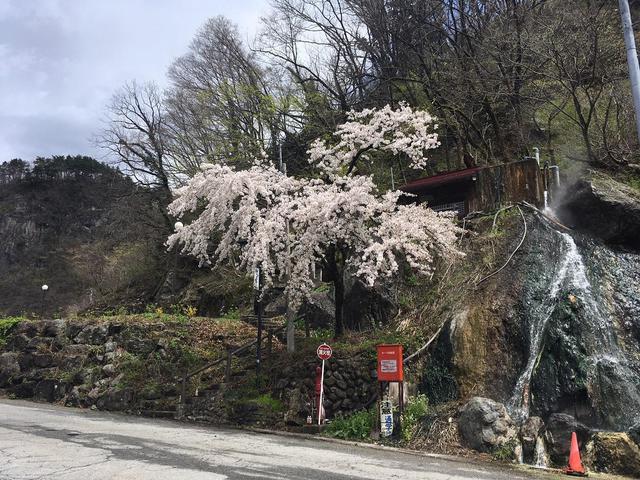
{"points": [[530, 430], [318, 310], [606, 208], [366, 307], [43, 360], [78, 349], [28, 329], [52, 328], [138, 344], [613, 452], [485, 424], [9, 363], [634, 433], [297, 408], [23, 390], [558, 436], [93, 334], [115, 400], [49, 390]]}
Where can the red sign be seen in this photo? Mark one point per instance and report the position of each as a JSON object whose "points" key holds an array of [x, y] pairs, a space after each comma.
{"points": [[390, 363], [324, 352]]}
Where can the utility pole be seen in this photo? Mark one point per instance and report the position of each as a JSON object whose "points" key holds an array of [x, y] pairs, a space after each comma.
{"points": [[632, 58]]}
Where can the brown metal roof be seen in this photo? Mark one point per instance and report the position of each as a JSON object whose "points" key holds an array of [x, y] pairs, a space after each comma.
{"points": [[441, 179]]}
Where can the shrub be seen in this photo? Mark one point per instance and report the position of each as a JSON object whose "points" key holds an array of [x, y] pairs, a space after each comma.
{"points": [[6, 324], [414, 412], [505, 452], [357, 426], [267, 401]]}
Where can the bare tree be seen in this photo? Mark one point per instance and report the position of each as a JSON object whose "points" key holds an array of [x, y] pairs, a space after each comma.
{"points": [[220, 105], [135, 134], [583, 68]]}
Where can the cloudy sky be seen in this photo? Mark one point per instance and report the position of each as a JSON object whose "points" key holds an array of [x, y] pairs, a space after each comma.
{"points": [[61, 60]]}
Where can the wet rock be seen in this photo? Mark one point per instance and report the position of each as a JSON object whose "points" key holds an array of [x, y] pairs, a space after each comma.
{"points": [[558, 436], [530, 430], [485, 424], [613, 452]]}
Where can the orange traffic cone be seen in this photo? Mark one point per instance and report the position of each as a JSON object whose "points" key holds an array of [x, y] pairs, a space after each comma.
{"points": [[575, 464]]}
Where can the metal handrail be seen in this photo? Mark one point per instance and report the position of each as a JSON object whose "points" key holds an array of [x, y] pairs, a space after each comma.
{"points": [[218, 361]]}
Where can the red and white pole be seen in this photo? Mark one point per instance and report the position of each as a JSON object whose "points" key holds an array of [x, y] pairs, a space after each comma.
{"points": [[321, 393]]}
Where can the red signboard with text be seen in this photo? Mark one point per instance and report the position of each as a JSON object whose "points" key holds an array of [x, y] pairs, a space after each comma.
{"points": [[390, 363]]}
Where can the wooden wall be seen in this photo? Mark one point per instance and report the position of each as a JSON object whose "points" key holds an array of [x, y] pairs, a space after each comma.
{"points": [[507, 183]]}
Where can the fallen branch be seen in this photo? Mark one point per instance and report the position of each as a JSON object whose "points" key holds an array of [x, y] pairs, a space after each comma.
{"points": [[426, 345], [547, 217]]}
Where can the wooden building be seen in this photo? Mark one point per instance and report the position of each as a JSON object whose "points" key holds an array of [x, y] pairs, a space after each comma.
{"points": [[481, 188]]}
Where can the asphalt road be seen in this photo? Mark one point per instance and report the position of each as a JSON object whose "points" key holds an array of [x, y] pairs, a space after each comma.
{"points": [[39, 441]]}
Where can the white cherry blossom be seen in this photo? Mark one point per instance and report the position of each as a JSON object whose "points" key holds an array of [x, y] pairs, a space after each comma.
{"points": [[253, 217]]}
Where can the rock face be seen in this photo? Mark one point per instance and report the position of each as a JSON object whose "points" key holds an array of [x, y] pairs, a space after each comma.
{"points": [[485, 424], [530, 430], [613, 452], [558, 436], [365, 307], [81, 364], [318, 311], [606, 208]]}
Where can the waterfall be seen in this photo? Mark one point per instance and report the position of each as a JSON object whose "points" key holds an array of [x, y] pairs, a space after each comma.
{"points": [[518, 405], [540, 458], [605, 359]]}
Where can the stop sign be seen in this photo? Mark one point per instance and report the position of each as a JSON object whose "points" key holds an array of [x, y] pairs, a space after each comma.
{"points": [[324, 352]]}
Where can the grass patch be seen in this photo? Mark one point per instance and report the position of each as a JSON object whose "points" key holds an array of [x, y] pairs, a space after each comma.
{"points": [[356, 426], [267, 401], [6, 324], [414, 412]]}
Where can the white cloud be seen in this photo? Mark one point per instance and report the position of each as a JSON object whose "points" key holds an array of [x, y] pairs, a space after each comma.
{"points": [[61, 60]]}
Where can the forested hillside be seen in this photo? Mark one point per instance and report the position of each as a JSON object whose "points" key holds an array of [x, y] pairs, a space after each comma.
{"points": [[279, 164]]}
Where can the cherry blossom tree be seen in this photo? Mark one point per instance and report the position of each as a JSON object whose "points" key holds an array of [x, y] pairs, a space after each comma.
{"points": [[285, 225]]}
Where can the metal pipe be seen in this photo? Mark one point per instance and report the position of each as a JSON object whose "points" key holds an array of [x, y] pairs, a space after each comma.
{"points": [[632, 58]]}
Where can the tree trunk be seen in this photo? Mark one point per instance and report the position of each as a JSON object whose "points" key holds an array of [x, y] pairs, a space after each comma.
{"points": [[335, 269], [338, 283]]}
